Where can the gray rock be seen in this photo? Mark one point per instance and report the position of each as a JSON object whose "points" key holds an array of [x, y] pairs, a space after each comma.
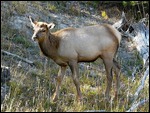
{"points": [[5, 74]]}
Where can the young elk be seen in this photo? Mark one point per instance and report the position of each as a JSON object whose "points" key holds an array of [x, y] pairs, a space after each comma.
{"points": [[68, 47]]}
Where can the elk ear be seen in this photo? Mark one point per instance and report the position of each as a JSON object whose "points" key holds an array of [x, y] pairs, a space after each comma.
{"points": [[32, 21], [51, 25]]}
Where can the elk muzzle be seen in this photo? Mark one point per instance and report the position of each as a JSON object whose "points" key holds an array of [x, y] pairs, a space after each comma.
{"points": [[34, 37]]}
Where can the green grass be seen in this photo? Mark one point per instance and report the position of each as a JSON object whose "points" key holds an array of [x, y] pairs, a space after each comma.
{"points": [[19, 6], [22, 40], [52, 7]]}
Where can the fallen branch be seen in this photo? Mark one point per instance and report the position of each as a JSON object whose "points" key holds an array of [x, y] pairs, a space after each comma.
{"points": [[146, 73], [142, 40], [139, 34], [121, 22], [14, 55], [135, 105], [95, 111], [141, 86]]}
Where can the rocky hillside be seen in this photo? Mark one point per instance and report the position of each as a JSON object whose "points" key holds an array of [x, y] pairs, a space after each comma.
{"points": [[33, 84], [17, 29]]}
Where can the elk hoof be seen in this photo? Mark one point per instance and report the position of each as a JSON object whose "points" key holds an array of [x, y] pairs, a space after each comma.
{"points": [[79, 99], [55, 98]]}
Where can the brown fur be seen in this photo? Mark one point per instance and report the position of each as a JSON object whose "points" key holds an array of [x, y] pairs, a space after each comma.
{"points": [[69, 46], [114, 37]]}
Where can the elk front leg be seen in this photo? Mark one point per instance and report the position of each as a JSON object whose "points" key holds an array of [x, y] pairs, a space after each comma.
{"points": [[59, 79], [75, 76]]}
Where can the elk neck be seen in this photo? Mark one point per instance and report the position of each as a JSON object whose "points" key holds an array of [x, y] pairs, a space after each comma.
{"points": [[49, 45]]}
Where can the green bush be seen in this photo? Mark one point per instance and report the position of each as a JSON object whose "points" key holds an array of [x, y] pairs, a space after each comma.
{"points": [[22, 40]]}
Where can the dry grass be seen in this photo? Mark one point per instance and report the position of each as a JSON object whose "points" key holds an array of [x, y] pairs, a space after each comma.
{"points": [[32, 91]]}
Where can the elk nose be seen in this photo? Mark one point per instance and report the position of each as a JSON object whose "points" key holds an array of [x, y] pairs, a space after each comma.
{"points": [[34, 37]]}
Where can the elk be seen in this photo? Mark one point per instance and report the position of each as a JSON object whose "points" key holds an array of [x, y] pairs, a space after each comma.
{"points": [[69, 46]]}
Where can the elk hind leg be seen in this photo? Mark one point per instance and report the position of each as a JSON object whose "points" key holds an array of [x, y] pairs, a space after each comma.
{"points": [[116, 68], [75, 76], [108, 62]]}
